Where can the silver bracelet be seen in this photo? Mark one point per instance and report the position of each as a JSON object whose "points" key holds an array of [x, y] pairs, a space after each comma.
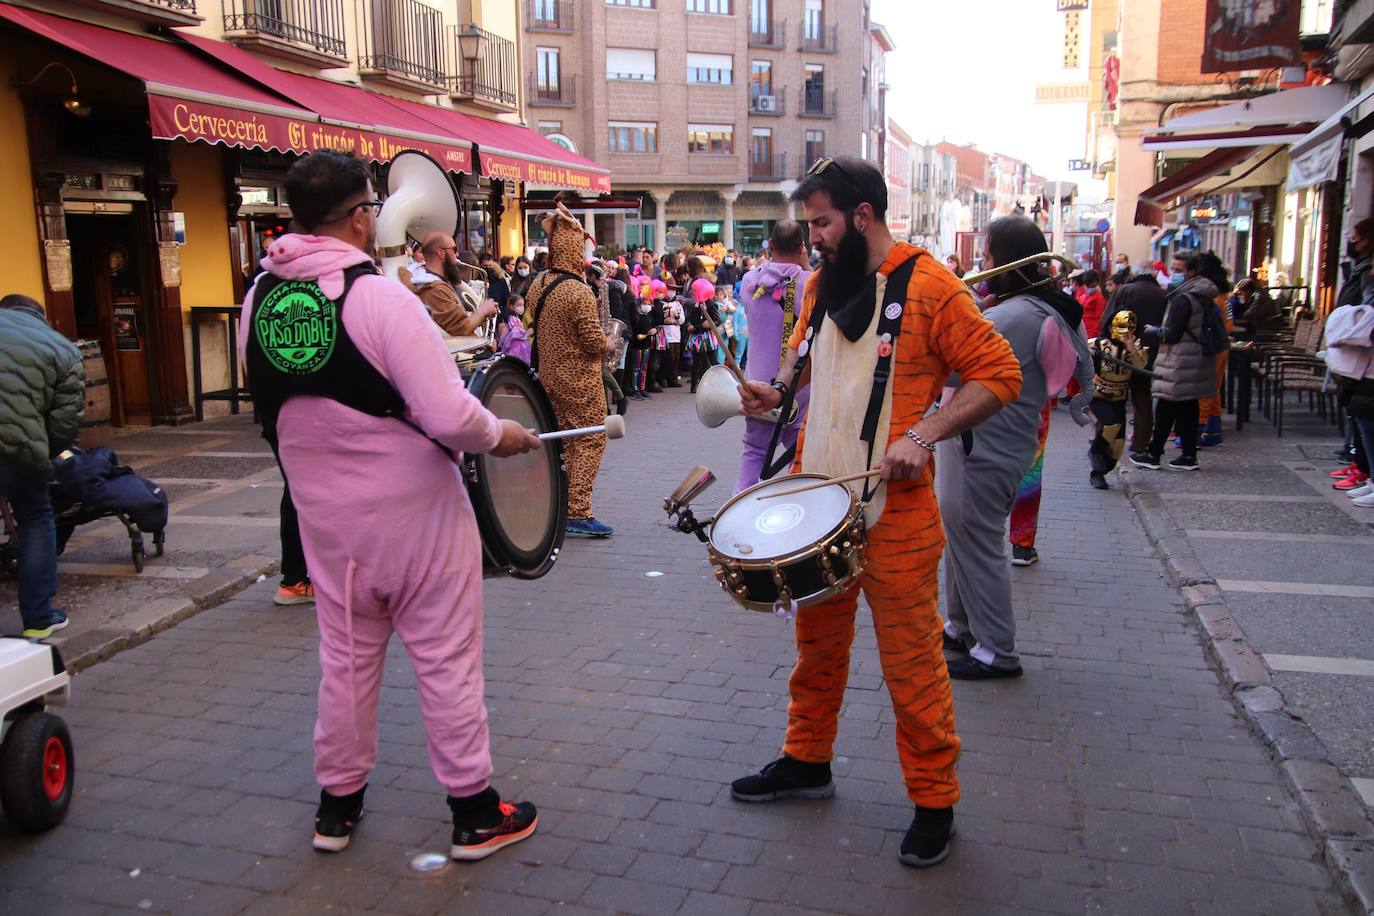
{"points": [[916, 437]]}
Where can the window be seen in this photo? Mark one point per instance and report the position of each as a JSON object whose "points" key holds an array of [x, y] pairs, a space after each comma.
{"points": [[716, 69], [718, 139], [546, 69], [641, 4], [715, 7], [633, 137], [760, 15], [815, 87], [630, 64], [815, 145], [761, 152], [550, 127], [760, 79], [814, 21]]}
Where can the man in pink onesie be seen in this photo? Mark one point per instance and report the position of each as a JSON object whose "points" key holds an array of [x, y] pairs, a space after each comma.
{"points": [[360, 396]]}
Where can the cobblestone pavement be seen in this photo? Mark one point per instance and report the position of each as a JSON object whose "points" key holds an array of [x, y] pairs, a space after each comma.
{"points": [[1116, 777]]}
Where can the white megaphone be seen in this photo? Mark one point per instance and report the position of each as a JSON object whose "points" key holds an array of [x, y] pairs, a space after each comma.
{"points": [[718, 398], [420, 200]]}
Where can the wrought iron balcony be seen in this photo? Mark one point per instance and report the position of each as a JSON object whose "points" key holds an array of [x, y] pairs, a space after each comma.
{"points": [[768, 33], [490, 79], [767, 103], [402, 43], [308, 31], [556, 93], [768, 168], [548, 15], [151, 12], [820, 39], [817, 104]]}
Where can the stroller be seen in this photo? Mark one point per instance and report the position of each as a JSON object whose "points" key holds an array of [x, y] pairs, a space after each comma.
{"points": [[90, 486]]}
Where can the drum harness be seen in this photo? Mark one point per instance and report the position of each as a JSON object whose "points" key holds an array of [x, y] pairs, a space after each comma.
{"points": [[889, 328], [563, 277]]}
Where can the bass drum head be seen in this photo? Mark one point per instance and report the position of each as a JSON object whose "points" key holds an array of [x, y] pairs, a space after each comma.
{"points": [[521, 502]]}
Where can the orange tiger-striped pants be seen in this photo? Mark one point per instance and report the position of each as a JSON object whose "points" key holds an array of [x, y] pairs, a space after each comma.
{"points": [[900, 583]]}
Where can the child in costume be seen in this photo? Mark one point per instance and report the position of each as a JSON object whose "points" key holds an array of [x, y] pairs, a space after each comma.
{"points": [[515, 339], [1113, 358]]}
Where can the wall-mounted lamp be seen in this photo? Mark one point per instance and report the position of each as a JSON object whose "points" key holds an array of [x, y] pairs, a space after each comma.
{"points": [[470, 42], [72, 101]]}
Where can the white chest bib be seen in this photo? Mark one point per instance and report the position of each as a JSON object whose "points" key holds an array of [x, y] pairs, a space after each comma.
{"points": [[841, 383]]}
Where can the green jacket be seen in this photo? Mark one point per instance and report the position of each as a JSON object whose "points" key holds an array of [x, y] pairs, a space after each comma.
{"points": [[42, 391]]}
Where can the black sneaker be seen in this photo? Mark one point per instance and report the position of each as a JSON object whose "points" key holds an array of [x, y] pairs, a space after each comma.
{"points": [[1024, 556], [969, 668], [335, 819], [1144, 460], [1183, 464], [1099, 481], [482, 824], [927, 839], [785, 778], [952, 645]]}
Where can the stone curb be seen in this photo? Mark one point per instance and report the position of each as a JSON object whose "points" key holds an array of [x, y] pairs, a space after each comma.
{"points": [[1329, 804], [86, 649]]}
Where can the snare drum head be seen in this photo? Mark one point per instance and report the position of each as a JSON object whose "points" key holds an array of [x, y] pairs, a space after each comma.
{"points": [[749, 527], [521, 502]]}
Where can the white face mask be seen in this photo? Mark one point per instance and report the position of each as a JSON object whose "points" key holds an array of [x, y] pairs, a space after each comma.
{"points": [[518, 310], [645, 309], [523, 271]]}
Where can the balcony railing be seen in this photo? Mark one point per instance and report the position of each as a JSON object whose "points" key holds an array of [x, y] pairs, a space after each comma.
{"points": [[402, 41], [768, 33], [765, 103], [768, 168], [822, 39], [151, 12], [491, 80], [559, 93], [549, 16], [817, 104], [312, 25]]}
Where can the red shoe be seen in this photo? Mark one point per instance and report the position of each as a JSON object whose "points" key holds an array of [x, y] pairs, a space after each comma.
{"points": [[1354, 481], [1344, 472]]}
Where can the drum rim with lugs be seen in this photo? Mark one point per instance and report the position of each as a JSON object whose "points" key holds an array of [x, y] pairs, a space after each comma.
{"points": [[500, 549]]}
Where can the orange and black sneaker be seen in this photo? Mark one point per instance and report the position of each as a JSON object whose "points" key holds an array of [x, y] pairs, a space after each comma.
{"points": [[335, 819], [482, 824], [289, 595]]}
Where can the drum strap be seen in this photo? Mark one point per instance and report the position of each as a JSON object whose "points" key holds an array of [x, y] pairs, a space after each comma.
{"points": [[549, 287]]}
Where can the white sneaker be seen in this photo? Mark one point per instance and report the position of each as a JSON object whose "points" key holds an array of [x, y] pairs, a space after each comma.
{"points": [[1361, 491], [1366, 501]]}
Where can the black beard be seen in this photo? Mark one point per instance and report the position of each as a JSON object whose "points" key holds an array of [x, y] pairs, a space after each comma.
{"points": [[842, 278], [452, 274]]}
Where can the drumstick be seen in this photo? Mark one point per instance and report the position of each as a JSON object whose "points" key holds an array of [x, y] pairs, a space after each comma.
{"points": [[614, 428], [817, 484], [729, 358]]}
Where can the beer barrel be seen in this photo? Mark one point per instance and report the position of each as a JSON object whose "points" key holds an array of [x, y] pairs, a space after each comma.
{"points": [[95, 420]]}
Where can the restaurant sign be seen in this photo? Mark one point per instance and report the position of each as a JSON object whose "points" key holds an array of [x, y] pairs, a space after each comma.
{"points": [[550, 174], [193, 120]]}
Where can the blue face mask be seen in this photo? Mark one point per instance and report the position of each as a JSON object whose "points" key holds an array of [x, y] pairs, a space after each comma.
{"points": [[1176, 278]]}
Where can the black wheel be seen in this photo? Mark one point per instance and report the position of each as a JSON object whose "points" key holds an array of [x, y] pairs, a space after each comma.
{"points": [[136, 549], [159, 543], [37, 771]]}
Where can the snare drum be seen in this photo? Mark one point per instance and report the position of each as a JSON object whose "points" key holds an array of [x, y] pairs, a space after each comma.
{"points": [[803, 548], [521, 502]]}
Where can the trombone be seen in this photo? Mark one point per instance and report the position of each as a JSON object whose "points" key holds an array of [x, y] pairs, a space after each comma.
{"points": [[972, 280]]}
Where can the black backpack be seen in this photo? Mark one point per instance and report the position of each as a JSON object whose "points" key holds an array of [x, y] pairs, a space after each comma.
{"points": [[1213, 338]]}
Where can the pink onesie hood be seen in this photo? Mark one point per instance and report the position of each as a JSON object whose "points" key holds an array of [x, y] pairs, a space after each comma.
{"points": [[770, 279], [313, 257]]}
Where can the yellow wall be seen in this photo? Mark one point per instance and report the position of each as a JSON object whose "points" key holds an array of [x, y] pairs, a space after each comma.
{"points": [[205, 264], [512, 230], [19, 228]]}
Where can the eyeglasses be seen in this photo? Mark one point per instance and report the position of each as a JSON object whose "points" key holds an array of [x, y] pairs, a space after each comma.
{"points": [[820, 166], [374, 204]]}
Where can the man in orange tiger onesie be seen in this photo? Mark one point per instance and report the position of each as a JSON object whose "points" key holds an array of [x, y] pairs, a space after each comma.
{"points": [[937, 330]]}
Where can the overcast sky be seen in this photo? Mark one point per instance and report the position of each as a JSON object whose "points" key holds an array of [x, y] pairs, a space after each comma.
{"points": [[966, 70]]}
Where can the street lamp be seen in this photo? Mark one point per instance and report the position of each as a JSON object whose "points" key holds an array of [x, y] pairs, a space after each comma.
{"points": [[471, 42]]}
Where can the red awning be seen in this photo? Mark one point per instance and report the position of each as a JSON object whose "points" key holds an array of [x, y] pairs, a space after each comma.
{"points": [[187, 96], [1149, 209], [372, 125], [506, 151]]}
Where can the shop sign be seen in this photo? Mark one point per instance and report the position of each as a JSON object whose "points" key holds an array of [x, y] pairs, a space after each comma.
{"points": [[126, 327], [1062, 93], [1241, 224], [1250, 36], [188, 120], [1071, 6], [562, 140], [508, 168], [57, 253], [1203, 213], [710, 228], [169, 263]]}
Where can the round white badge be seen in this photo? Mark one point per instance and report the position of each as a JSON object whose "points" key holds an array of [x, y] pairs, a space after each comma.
{"points": [[805, 346], [893, 311]]}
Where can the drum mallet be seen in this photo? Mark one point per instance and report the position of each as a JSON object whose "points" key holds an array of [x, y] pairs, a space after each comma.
{"points": [[817, 484], [614, 428]]}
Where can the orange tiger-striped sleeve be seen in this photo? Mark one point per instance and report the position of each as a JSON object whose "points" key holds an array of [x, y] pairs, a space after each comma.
{"points": [[968, 343], [813, 283]]}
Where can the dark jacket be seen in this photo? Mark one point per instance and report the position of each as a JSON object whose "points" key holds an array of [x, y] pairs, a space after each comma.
{"points": [[642, 329], [1357, 285], [1184, 372], [1142, 295], [42, 391]]}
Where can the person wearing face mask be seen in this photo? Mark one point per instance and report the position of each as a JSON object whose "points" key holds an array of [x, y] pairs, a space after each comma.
{"points": [[521, 276], [435, 282], [512, 338], [727, 273], [1142, 295], [642, 330]]}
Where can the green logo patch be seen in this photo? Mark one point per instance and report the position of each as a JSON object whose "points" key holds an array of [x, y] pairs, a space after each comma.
{"points": [[296, 327]]}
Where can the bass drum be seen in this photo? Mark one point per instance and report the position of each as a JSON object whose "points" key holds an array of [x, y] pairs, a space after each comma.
{"points": [[521, 502]]}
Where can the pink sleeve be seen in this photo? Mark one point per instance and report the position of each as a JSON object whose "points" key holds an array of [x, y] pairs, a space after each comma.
{"points": [[391, 329]]}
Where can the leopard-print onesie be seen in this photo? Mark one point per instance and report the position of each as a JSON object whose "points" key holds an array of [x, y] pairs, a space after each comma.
{"points": [[571, 348]]}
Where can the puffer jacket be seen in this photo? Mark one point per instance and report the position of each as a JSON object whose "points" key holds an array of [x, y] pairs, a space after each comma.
{"points": [[1184, 372], [42, 391]]}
